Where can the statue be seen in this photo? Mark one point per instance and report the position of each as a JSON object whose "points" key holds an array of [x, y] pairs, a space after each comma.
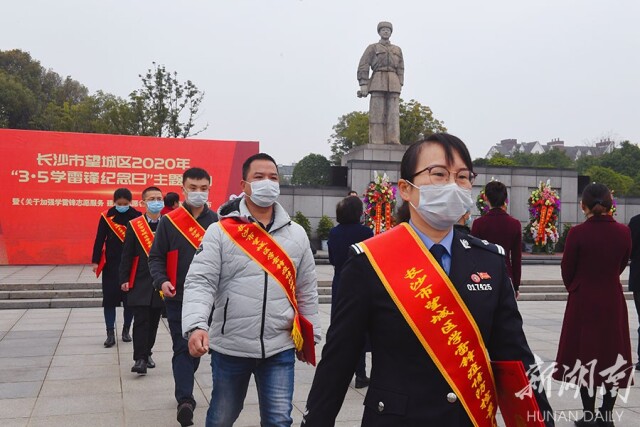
{"points": [[384, 85]]}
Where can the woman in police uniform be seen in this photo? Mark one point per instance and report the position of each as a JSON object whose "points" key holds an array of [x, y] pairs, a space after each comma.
{"points": [[407, 388]]}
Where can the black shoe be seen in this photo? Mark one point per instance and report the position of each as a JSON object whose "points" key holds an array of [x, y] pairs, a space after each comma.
{"points": [[603, 419], [362, 382], [150, 363], [638, 366], [140, 367], [185, 414], [125, 335], [111, 339]]}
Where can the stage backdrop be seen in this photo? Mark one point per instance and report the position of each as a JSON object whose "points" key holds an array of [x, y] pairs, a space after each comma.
{"points": [[55, 184]]}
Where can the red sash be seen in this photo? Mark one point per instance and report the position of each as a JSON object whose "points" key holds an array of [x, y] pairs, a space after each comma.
{"points": [[264, 250], [118, 229], [438, 317], [144, 234], [186, 225]]}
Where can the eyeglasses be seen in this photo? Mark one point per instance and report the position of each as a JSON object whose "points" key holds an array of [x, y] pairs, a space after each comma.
{"points": [[439, 175]]}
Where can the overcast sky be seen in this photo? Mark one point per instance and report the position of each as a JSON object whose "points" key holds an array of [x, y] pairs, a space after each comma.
{"points": [[283, 71]]}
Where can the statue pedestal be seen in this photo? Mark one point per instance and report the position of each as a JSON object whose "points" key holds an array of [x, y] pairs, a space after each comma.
{"points": [[364, 161]]}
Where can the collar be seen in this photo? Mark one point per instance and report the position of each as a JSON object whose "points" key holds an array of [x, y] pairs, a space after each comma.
{"points": [[446, 242], [151, 221], [189, 209]]}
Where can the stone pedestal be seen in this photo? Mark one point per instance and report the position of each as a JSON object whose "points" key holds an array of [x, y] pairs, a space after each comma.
{"points": [[365, 160]]}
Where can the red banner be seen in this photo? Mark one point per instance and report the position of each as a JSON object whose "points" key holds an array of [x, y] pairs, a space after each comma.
{"points": [[56, 184]]}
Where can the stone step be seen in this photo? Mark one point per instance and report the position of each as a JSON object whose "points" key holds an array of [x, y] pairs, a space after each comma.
{"points": [[51, 294], [50, 303], [48, 286]]}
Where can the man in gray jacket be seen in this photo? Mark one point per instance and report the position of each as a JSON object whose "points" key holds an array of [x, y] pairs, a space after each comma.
{"points": [[257, 305]]}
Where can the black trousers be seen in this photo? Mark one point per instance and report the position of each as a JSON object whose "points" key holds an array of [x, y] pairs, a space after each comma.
{"points": [[636, 300], [145, 328]]}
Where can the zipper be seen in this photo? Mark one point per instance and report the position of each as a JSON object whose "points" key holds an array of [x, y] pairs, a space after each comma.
{"points": [[224, 320], [264, 312]]}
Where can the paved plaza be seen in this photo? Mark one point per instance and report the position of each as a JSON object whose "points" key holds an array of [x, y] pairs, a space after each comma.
{"points": [[54, 370]]}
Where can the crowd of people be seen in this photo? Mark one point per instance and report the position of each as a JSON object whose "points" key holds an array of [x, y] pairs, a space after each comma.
{"points": [[434, 299]]}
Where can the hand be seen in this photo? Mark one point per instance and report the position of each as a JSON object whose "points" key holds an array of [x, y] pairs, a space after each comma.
{"points": [[300, 356], [168, 289], [517, 294], [363, 92], [125, 287], [94, 267], [198, 343]]}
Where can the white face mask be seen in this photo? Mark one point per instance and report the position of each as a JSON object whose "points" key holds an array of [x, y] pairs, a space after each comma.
{"points": [[264, 192], [441, 206], [197, 199]]}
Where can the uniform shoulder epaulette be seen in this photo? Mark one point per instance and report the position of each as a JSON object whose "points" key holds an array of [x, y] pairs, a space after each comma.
{"points": [[491, 247], [357, 249]]}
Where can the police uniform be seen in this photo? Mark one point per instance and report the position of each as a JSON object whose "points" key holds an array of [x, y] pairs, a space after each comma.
{"points": [[406, 388]]}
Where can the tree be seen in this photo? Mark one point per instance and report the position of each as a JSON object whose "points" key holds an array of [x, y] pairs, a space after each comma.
{"points": [[617, 182], [164, 106], [416, 121], [351, 130], [553, 158], [501, 160], [624, 160], [313, 169], [28, 90]]}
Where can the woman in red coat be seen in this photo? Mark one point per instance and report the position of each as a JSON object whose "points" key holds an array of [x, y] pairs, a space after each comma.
{"points": [[595, 330]]}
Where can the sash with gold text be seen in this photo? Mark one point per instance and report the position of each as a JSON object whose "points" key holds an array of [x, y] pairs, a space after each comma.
{"points": [[143, 233], [432, 307], [118, 229], [260, 247], [187, 225]]}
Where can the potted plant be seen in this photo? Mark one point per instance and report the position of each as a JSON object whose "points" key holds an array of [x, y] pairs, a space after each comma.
{"points": [[324, 227], [303, 221]]}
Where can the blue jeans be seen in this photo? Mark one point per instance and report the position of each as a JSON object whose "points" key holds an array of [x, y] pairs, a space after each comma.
{"points": [[184, 366], [274, 380]]}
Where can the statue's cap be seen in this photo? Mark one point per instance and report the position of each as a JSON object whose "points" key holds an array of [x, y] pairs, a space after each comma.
{"points": [[385, 24]]}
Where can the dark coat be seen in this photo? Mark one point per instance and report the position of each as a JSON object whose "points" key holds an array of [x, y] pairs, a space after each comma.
{"points": [[500, 228], [403, 377], [167, 239], [143, 292], [105, 237], [596, 325], [340, 238], [634, 267]]}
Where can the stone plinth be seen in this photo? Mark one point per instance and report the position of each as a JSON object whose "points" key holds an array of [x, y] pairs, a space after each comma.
{"points": [[365, 160]]}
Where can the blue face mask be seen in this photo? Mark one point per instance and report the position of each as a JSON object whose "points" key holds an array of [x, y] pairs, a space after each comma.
{"points": [[155, 206], [122, 209]]}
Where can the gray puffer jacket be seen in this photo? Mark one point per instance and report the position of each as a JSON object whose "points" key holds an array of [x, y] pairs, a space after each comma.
{"points": [[253, 317]]}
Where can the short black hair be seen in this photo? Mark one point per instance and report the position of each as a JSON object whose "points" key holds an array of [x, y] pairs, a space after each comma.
{"points": [[449, 144], [171, 199], [122, 193], [496, 193], [349, 210], [260, 156], [352, 193], [597, 198], [195, 173], [146, 190]]}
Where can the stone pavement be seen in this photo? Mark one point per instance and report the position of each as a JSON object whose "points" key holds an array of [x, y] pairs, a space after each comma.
{"points": [[54, 370]]}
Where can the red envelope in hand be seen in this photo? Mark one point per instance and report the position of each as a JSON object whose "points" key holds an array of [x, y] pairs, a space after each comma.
{"points": [[134, 269], [172, 266], [103, 261], [309, 344]]}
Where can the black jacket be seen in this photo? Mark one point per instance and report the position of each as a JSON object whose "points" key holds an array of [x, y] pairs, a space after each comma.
{"points": [[105, 237], [142, 293], [634, 267], [168, 238], [405, 382]]}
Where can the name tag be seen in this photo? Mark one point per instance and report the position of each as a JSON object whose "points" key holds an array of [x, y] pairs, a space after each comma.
{"points": [[479, 286]]}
